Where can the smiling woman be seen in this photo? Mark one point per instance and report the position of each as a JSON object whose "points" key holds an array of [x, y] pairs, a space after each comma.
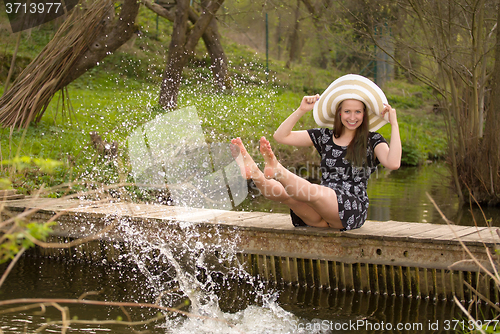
{"points": [[341, 201], [352, 113]]}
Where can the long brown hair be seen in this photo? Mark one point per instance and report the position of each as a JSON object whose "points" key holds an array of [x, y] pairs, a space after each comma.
{"points": [[356, 151]]}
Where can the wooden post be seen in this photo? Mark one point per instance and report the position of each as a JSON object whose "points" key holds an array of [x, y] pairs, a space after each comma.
{"points": [[324, 274]]}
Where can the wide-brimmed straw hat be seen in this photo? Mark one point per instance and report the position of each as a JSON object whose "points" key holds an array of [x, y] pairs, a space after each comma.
{"points": [[351, 87]]}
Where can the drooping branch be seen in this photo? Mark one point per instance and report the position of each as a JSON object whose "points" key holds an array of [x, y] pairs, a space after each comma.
{"points": [[116, 32], [86, 37], [220, 71]]}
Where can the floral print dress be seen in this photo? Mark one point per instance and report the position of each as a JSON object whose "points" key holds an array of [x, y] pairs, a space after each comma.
{"points": [[349, 182]]}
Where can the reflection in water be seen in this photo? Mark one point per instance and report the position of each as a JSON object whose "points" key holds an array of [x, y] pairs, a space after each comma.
{"points": [[401, 196], [250, 308]]}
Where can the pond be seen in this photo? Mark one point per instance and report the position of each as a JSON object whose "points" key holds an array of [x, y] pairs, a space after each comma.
{"points": [[242, 306], [401, 195], [175, 271]]}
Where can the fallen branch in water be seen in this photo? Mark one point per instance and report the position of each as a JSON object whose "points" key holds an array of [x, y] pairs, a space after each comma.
{"points": [[44, 302]]}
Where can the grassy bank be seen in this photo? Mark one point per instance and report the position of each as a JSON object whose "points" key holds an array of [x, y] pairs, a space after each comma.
{"points": [[121, 94]]}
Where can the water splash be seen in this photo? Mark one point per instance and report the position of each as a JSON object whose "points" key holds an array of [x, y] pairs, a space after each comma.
{"points": [[171, 152], [189, 261]]}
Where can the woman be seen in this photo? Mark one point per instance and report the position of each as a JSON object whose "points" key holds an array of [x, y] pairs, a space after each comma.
{"points": [[349, 154]]}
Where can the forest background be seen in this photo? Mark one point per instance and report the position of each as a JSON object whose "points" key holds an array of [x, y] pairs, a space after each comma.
{"points": [[441, 58]]}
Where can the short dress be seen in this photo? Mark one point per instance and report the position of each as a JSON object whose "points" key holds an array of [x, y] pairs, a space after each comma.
{"points": [[350, 183]]}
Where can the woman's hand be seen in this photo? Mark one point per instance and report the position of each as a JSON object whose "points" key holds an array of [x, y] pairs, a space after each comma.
{"points": [[284, 133], [390, 155], [392, 113], [308, 102]]}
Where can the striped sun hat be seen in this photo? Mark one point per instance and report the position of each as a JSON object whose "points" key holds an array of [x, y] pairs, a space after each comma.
{"points": [[351, 87]]}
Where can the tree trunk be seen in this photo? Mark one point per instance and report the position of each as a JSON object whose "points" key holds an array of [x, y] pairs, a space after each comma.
{"points": [[294, 38], [81, 42], [176, 58], [114, 34], [491, 138], [182, 47], [211, 37]]}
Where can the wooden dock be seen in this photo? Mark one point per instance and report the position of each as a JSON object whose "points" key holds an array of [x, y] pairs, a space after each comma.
{"points": [[410, 259]]}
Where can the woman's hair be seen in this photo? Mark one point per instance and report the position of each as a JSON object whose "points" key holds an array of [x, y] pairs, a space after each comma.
{"points": [[356, 151]]}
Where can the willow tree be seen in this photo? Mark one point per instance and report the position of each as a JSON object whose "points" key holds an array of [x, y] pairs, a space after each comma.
{"points": [[92, 31], [96, 29], [454, 42]]}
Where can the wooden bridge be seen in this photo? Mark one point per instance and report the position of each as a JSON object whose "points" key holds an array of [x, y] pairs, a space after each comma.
{"points": [[411, 259]]}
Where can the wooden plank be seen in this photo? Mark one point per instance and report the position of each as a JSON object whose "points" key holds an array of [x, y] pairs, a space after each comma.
{"points": [[195, 216], [133, 209], [411, 229], [487, 235], [275, 220], [442, 230], [233, 217], [252, 215], [11, 197], [96, 208], [378, 230], [373, 229], [160, 212], [272, 234], [462, 233], [239, 215]]}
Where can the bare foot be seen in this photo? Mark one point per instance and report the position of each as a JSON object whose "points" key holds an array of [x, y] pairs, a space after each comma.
{"points": [[272, 169], [242, 158]]}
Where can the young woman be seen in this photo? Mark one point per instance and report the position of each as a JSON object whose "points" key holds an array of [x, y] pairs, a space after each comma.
{"points": [[349, 154]]}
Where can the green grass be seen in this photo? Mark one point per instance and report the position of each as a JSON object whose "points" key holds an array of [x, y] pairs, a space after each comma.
{"points": [[121, 94]]}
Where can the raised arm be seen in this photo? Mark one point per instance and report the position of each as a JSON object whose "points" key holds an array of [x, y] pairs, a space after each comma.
{"points": [[284, 133], [390, 156]]}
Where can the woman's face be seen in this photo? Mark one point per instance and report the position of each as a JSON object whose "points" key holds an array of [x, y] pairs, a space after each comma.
{"points": [[351, 114]]}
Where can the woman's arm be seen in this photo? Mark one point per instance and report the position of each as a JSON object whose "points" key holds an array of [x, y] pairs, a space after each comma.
{"points": [[284, 133], [390, 156]]}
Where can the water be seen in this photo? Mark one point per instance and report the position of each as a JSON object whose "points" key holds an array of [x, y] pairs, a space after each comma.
{"points": [[242, 306], [173, 267], [401, 196]]}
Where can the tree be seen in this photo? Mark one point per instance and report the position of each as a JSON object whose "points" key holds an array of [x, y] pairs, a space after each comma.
{"points": [[86, 37], [491, 138], [182, 46], [212, 39], [294, 37], [94, 31], [317, 11], [454, 42]]}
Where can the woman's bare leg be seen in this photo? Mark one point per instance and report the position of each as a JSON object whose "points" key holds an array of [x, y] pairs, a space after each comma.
{"points": [[272, 189], [322, 199]]}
